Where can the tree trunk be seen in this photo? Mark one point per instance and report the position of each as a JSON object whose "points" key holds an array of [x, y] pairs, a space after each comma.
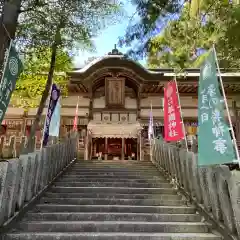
{"points": [[31, 139], [8, 26]]}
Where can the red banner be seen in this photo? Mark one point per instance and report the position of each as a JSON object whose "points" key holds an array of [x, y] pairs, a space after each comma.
{"points": [[75, 123], [173, 126]]}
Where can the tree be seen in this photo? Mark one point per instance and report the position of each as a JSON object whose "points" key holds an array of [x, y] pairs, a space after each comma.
{"points": [[186, 40], [9, 15], [153, 16], [179, 43], [197, 6], [62, 24], [32, 81]]}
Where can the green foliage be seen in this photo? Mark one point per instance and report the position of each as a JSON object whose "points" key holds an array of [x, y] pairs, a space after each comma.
{"points": [[72, 23], [179, 45], [151, 14], [31, 84], [56, 29]]}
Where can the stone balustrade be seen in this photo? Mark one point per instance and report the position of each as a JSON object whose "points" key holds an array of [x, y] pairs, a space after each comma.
{"points": [[215, 190], [13, 146], [23, 178]]}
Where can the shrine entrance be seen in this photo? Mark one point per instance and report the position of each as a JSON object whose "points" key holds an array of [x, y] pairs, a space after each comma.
{"points": [[113, 141], [131, 149], [114, 149]]}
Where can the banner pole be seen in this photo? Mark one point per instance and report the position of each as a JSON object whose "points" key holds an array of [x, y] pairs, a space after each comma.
{"points": [[226, 104], [150, 126], [153, 131], [6, 60], [8, 51], [76, 117], [180, 108], [44, 127]]}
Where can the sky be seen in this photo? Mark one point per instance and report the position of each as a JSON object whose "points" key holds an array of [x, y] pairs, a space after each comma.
{"points": [[105, 41]]}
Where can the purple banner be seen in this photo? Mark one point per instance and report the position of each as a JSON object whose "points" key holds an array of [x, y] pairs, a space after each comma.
{"points": [[55, 94]]}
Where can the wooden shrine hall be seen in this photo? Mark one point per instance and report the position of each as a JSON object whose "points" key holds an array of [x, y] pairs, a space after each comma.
{"points": [[115, 95], [119, 93]]}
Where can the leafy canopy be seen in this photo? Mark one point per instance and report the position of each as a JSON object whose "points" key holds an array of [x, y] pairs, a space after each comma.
{"points": [[152, 15], [56, 29], [32, 81], [185, 41], [72, 23]]}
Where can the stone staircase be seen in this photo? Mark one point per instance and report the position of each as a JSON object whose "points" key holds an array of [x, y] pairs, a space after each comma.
{"points": [[108, 200]]}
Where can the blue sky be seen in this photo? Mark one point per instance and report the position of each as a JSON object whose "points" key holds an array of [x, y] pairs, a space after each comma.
{"points": [[105, 41]]}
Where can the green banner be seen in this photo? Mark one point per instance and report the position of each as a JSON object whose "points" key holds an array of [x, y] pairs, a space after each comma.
{"points": [[12, 70], [214, 141]]}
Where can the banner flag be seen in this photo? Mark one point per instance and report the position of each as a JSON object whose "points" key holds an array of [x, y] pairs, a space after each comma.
{"points": [[150, 126], [75, 123], [214, 141], [12, 69], [55, 121], [173, 126], [55, 94]]}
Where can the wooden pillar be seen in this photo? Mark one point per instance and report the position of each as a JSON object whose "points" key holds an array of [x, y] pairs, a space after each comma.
{"points": [[90, 115], [86, 146], [139, 102], [106, 149], [140, 146], [24, 123], [123, 148], [91, 149]]}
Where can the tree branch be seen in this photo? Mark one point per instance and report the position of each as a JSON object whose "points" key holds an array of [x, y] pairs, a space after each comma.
{"points": [[37, 3]]}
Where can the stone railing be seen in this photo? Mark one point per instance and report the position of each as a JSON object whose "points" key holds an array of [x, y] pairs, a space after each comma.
{"points": [[24, 178], [215, 190], [13, 146]]}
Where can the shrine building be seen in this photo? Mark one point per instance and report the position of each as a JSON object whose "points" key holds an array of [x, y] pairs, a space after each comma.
{"points": [[115, 95]]}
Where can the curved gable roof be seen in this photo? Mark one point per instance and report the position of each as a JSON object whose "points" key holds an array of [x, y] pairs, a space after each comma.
{"points": [[115, 61]]}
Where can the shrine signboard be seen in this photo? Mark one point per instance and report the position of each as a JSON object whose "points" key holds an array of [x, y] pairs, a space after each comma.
{"points": [[115, 94]]}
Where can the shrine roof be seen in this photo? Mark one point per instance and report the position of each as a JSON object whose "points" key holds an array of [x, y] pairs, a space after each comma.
{"points": [[119, 62], [168, 72], [115, 64]]}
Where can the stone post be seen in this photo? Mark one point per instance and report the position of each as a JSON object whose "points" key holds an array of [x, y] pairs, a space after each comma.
{"points": [[106, 149], [140, 146], [123, 148]]}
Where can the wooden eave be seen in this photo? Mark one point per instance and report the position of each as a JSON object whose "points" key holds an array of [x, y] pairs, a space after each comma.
{"points": [[117, 62], [232, 88], [146, 81]]}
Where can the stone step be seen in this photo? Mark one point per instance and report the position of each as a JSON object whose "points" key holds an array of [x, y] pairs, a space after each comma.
{"points": [[120, 167], [112, 200], [113, 195], [111, 173], [108, 163], [105, 179], [104, 169], [129, 170], [102, 201], [112, 184], [109, 226], [91, 175], [110, 236], [79, 216], [114, 208], [125, 190], [114, 165]]}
